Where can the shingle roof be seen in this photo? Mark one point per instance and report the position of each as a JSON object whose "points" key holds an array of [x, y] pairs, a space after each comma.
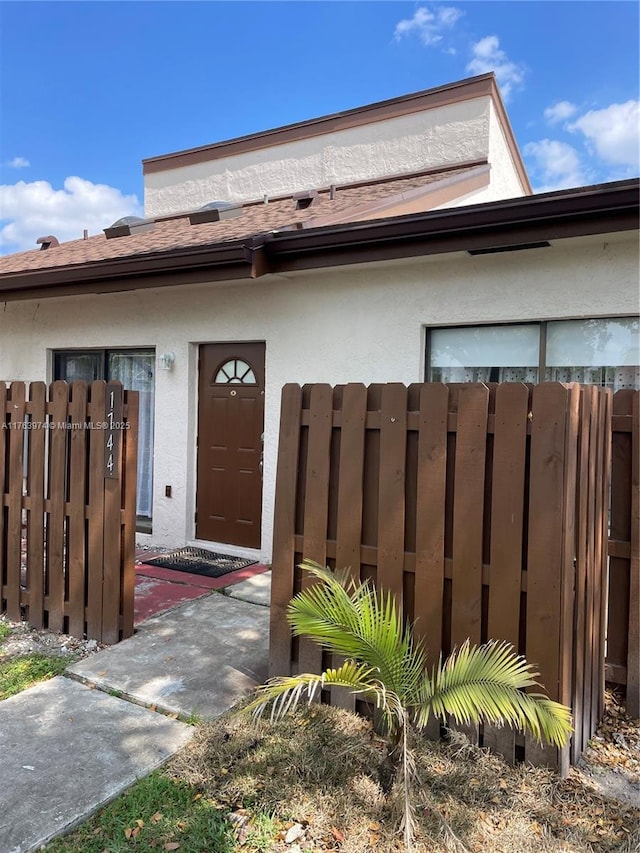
{"points": [[255, 218]]}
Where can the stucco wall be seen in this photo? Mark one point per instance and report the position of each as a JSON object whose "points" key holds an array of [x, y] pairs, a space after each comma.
{"points": [[445, 135], [504, 181], [361, 324]]}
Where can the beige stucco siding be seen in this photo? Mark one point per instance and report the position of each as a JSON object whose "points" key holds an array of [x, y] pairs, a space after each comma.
{"points": [[361, 323], [441, 136]]}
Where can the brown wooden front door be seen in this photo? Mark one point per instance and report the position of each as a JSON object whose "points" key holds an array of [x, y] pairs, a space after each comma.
{"points": [[230, 433]]}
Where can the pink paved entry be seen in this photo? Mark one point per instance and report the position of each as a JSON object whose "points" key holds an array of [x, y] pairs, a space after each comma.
{"points": [[159, 589]]}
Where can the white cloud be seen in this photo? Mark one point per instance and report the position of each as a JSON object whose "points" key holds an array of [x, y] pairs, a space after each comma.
{"points": [[19, 163], [555, 165], [560, 111], [428, 25], [613, 132], [32, 210], [488, 56]]}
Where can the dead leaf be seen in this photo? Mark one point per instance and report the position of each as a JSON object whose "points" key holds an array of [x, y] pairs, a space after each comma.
{"points": [[339, 837], [172, 845], [156, 818], [128, 832]]}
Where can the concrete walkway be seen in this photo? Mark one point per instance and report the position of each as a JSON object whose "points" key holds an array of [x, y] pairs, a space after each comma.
{"points": [[67, 748]]}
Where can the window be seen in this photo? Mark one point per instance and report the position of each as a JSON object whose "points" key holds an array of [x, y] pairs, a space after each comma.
{"points": [[596, 352], [135, 368], [235, 371]]}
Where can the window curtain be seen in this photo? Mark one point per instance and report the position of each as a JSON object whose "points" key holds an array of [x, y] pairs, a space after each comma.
{"points": [[485, 354], [484, 374], [136, 371]]}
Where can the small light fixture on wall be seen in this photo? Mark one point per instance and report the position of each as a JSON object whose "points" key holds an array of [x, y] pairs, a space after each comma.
{"points": [[166, 361]]}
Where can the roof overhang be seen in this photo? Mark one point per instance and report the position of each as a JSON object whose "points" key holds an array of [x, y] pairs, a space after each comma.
{"points": [[602, 209], [592, 210]]}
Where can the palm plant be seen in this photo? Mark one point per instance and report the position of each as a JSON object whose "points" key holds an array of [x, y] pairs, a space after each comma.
{"points": [[385, 665]]}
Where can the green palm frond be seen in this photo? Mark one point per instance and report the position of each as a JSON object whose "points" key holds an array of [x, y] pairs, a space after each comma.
{"points": [[285, 693], [353, 620], [485, 683]]}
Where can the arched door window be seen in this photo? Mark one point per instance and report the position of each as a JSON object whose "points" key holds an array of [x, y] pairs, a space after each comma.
{"points": [[235, 371]]}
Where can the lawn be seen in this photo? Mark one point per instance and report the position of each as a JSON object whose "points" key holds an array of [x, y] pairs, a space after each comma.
{"points": [[21, 670], [310, 783]]}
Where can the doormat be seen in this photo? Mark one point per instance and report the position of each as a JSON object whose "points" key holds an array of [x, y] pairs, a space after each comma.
{"points": [[198, 561]]}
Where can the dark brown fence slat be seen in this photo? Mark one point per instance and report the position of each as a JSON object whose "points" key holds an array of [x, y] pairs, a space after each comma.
{"points": [[349, 531], [430, 515], [3, 470], [582, 638], [351, 470], [605, 491], [95, 508], [76, 526], [545, 551], [567, 576], [316, 502], [431, 482], [393, 436], [633, 655], [466, 608], [284, 530], [56, 556], [468, 521], [14, 514], [111, 565], [507, 509], [35, 491], [599, 592], [591, 623], [130, 474]]}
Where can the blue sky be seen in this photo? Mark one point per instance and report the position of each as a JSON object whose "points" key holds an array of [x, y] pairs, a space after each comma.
{"points": [[87, 89]]}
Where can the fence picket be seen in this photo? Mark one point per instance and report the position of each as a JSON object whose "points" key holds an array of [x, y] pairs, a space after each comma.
{"points": [[76, 526], [4, 586], [14, 512], [316, 502], [393, 436], [466, 606], [130, 474], [633, 635], [36, 517], [507, 511], [56, 494], [430, 499], [111, 568], [349, 509], [582, 638]]}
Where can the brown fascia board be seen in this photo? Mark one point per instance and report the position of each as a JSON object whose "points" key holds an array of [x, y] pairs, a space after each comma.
{"points": [[510, 137], [463, 90], [222, 262], [592, 210]]}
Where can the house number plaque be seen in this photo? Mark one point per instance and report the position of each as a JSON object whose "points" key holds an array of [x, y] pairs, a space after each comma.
{"points": [[112, 429]]}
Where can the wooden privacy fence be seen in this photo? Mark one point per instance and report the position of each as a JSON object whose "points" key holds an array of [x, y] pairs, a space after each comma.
{"points": [[483, 509], [68, 459]]}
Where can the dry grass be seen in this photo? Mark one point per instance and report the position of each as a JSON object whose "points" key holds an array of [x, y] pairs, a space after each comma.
{"points": [[319, 769]]}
